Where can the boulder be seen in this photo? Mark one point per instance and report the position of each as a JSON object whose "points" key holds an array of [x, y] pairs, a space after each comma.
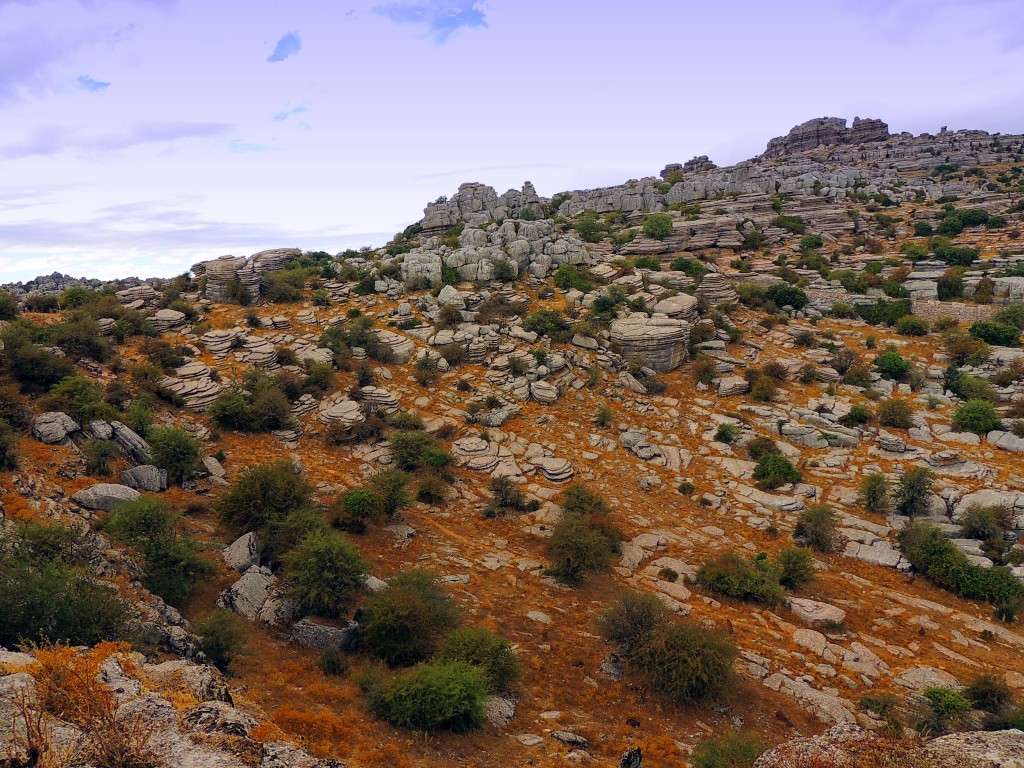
{"points": [[53, 427], [661, 342], [313, 634], [247, 595], [145, 478], [815, 614], [243, 553], [105, 496]]}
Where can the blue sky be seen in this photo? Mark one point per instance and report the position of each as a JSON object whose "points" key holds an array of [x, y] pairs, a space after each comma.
{"points": [[140, 136]]}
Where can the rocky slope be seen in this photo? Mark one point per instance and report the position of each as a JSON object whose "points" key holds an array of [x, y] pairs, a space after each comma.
{"points": [[560, 340]]}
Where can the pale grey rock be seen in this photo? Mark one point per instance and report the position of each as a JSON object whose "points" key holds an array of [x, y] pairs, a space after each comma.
{"points": [[145, 478], [105, 496], [313, 634], [53, 427], [243, 553]]}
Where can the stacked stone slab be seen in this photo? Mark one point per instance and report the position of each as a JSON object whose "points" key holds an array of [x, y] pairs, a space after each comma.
{"points": [[344, 412], [543, 392], [221, 273], [680, 307], [167, 320], [378, 399], [714, 289], [659, 341], [193, 384], [401, 347], [219, 343], [257, 351], [139, 296]]}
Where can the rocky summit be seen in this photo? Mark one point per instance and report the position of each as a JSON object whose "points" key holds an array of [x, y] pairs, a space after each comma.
{"points": [[714, 466]]}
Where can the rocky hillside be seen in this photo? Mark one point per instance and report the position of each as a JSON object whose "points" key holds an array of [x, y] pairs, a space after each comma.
{"points": [[650, 474]]}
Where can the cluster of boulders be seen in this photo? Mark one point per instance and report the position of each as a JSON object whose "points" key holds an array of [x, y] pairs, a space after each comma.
{"points": [[223, 273]]}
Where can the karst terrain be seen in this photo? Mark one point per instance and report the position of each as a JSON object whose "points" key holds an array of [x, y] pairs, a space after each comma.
{"points": [[723, 458]]}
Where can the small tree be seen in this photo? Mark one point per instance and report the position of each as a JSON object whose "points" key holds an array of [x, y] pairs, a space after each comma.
{"points": [[978, 416], [632, 621], [915, 486], [98, 456], [325, 573], [874, 493], [786, 295], [796, 568], [577, 547], [176, 451], [751, 579], [658, 226], [774, 470], [262, 494], [403, 624], [816, 526], [892, 365], [896, 412], [686, 663]]}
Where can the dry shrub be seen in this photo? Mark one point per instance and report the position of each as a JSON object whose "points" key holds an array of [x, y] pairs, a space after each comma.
{"points": [[68, 687]]}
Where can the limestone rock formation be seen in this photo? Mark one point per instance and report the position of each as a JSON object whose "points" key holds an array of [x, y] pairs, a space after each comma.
{"points": [[660, 342], [827, 131]]}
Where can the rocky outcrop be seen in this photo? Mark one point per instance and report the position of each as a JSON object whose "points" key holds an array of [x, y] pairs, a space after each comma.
{"points": [[53, 427], [104, 496], [659, 342], [826, 132], [223, 273], [145, 478]]}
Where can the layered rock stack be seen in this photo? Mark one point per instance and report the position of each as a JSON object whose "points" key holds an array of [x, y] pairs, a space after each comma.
{"points": [[344, 412], [193, 384], [714, 289], [223, 272], [138, 297], [827, 132], [167, 320], [219, 343], [257, 351], [680, 307], [378, 399], [660, 342]]}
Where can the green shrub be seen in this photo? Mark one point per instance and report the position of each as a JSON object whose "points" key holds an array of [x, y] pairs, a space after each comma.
{"points": [[986, 523], [857, 416], [793, 224], [911, 326], [78, 396], [173, 563], [978, 416], [774, 470], [98, 456], [356, 509], [8, 306], [1011, 315], [391, 486], [506, 496], [762, 446], [325, 573], [751, 579], [817, 527], [415, 449], [989, 694], [884, 312], [874, 494], [735, 750], [950, 285], [647, 262], [262, 494], [997, 334], [434, 697], [896, 412], [912, 492], [333, 663], [549, 322], [796, 568], [285, 286], [223, 635], [939, 561], [568, 276], [691, 267], [764, 389], [403, 624], [176, 451], [944, 704], [633, 620], [578, 547], [892, 365], [8, 455], [488, 652], [783, 295], [43, 598], [727, 433], [262, 411], [658, 226], [687, 663], [811, 242]]}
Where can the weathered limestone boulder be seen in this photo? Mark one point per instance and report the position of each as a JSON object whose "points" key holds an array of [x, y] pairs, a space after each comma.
{"points": [[131, 443], [53, 427], [923, 678], [714, 289], [827, 131], [313, 634], [815, 614], [681, 307], [145, 478], [105, 496], [247, 595], [243, 553], [661, 342]]}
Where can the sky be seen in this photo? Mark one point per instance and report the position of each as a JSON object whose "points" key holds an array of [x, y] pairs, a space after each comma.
{"points": [[138, 137]]}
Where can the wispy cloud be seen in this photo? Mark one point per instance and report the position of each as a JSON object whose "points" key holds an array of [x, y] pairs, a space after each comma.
{"points": [[281, 116], [241, 147], [86, 83], [440, 18], [287, 46], [52, 140]]}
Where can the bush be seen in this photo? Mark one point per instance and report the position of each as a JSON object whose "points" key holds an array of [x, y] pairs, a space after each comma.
{"points": [[884, 312], [816, 526], [793, 224], [568, 276], [98, 456], [8, 306], [950, 285], [896, 412], [325, 573], [751, 579], [176, 451], [690, 267], [262, 494], [686, 663], [173, 564], [391, 486], [989, 694], [944, 704], [911, 326], [736, 750], [34, 368], [78, 396], [774, 470], [355, 509], [549, 322], [578, 547], [986, 523], [223, 635], [506, 496], [874, 494], [892, 365], [1011, 315], [978, 416], [633, 620], [285, 286], [413, 449], [484, 650], [996, 334], [762, 446], [856, 416], [938, 560], [763, 389], [262, 411], [333, 663], [727, 433], [783, 294], [403, 624], [796, 568], [658, 226], [912, 492], [44, 599], [434, 697]]}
